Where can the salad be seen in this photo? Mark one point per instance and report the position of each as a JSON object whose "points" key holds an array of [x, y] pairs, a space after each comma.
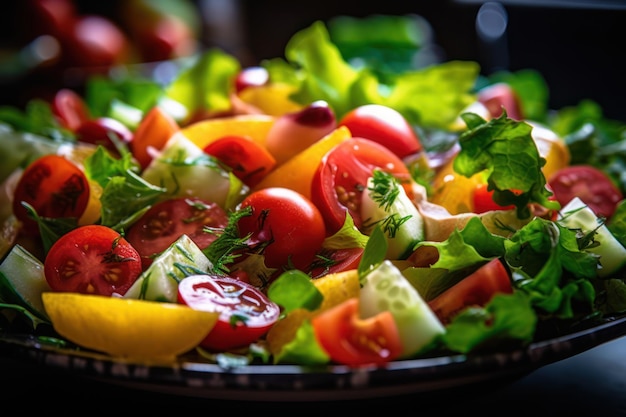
{"points": [[338, 205]]}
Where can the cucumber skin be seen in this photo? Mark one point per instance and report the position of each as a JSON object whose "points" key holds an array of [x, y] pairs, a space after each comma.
{"points": [[577, 215], [22, 281]]}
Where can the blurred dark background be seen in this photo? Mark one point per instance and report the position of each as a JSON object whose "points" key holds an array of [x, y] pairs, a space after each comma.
{"points": [[576, 45]]}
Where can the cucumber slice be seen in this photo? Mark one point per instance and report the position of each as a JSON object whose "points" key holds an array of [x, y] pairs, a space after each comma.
{"points": [[385, 288], [400, 220], [22, 281], [160, 281], [577, 215], [185, 170]]}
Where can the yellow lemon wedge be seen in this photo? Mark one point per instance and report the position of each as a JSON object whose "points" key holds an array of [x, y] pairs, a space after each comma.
{"points": [[272, 99], [297, 172], [127, 328], [207, 131]]}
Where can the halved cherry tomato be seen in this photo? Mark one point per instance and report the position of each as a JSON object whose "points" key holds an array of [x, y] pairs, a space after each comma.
{"points": [[55, 187], [167, 220], [350, 340], [384, 125], [246, 314], [342, 176], [334, 261], [100, 131], [476, 289], [592, 186], [70, 109], [92, 259], [153, 132], [285, 224], [249, 160]]}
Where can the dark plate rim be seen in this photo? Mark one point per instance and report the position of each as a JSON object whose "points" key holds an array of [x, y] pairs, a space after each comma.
{"points": [[189, 376]]}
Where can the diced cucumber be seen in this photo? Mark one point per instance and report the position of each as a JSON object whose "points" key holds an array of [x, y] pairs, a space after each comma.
{"points": [[401, 221], [386, 289], [185, 171], [160, 281], [577, 215], [22, 281]]}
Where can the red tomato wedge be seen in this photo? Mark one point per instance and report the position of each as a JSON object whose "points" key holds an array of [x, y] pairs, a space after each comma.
{"points": [[476, 289], [342, 176], [167, 220], [152, 134], [92, 259], [334, 261], [350, 340], [55, 187], [246, 313], [248, 159], [589, 184]]}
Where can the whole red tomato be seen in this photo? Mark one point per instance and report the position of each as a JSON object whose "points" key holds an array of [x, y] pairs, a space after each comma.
{"points": [[384, 125], [285, 225]]}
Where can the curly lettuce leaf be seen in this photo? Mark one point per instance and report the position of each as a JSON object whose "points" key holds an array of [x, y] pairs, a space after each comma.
{"points": [[432, 96], [504, 150]]}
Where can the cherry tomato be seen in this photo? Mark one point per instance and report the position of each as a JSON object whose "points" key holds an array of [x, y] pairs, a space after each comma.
{"points": [[286, 224], [246, 314], [476, 289], [592, 186], [254, 76], [334, 261], [55, 187], [51, 17], [384, 125], [99, 132], [342, 176], [496, 96], [249, 160], [152, 134], [352, 341], [167, 220], [70, 109], [95, 41], [92, 259]]}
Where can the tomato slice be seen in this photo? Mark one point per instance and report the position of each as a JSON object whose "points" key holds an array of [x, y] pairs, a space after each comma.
{"points": [[352, 341], [592, 186], [70, 109], [92, 259], [476, 289], [55, 187], [248, 159], [167, 220], [334, 261], [152, 134], [342, 176], [246, 313]]}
